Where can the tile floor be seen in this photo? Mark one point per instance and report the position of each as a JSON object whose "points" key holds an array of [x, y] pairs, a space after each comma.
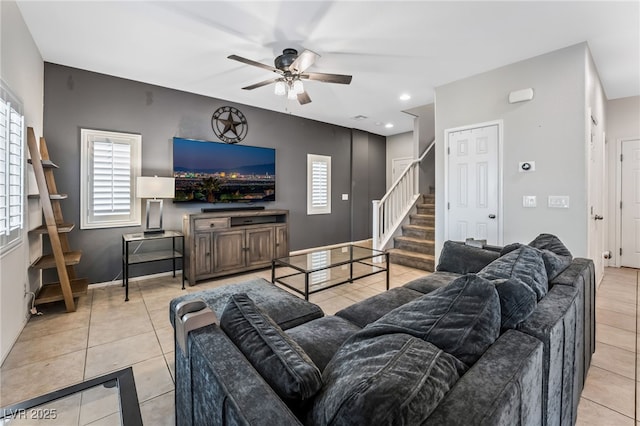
{"points": [[106, 334]]}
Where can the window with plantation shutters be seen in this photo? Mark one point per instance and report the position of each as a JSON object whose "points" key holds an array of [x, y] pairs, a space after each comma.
{"points": [[318, 184], [11, 170], [110, 165]]}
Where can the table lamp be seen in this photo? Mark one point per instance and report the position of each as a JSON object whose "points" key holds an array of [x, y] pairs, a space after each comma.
{"points": [[154, 189]]}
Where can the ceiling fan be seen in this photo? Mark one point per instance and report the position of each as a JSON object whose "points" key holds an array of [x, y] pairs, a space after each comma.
{"points": [[291, 69]]}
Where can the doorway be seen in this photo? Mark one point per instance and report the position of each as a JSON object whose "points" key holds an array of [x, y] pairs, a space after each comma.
{"points": [[398, 165], [596, 173], [630, 203], [473, 183]]}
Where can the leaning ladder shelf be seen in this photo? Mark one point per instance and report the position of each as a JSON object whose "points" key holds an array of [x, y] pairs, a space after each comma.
{"points": [[62, 257]]}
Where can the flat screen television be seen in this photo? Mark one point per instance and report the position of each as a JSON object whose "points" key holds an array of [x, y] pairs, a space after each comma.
{"points": [[214, 172]]}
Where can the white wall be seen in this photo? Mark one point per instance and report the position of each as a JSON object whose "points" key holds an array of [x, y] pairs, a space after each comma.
{"points": [[22, 69], [398, 146], [623, 123], [549, 130]]}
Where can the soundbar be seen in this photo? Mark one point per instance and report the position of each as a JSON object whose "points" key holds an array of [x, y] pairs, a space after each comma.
{"points": [[230, 209]]}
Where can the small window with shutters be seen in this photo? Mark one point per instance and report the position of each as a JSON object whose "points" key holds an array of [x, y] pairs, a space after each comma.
{"points": [[11, 170], [318, 184], [110, 165]]}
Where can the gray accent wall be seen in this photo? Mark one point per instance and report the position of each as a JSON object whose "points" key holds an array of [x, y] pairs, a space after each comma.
{"points": [[76, 99], [550, 130], [368, 180]]}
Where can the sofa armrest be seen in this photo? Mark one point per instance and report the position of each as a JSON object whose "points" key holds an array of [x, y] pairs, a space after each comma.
{"points": [[556, 323], [503, 388], [216, 384]]}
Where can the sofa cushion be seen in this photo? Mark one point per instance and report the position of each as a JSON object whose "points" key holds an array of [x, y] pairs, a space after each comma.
{"points": [[555, 254], [280, 360], [517, 301], [322, 337], [464, 259], [524, 264], [392, 379], [372, 308], [462, 319], [431, 282], [283, 307]]}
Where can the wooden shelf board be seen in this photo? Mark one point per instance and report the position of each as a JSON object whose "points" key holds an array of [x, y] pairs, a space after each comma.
{"points": [[51, 196], [48, 261], [53, 292], [63, 228], [46, 164]]}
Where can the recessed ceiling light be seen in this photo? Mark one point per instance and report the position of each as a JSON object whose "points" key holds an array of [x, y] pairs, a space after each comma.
{"points": [[405, 97], [388, 125]]}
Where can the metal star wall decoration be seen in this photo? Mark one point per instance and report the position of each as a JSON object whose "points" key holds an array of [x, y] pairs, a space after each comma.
{"points": [[229, 124]]}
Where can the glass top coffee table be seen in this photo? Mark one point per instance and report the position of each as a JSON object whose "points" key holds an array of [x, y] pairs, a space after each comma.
{"points": [[107, 400], [319, 270]]}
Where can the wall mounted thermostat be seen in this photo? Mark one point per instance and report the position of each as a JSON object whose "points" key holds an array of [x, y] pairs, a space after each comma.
{"points": [[526, 166]]}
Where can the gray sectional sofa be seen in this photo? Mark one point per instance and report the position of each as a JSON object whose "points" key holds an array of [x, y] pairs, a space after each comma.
{"points": [[497, 336]]}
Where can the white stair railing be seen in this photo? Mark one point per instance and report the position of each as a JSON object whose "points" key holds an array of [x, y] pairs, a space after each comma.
{"points": [[390, 211]]}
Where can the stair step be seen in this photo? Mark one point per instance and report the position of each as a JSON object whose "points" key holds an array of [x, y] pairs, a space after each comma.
{"points": [[415, 260], [419, 231], [422, 219], [414, 244], [429, 209], [429, 198]]}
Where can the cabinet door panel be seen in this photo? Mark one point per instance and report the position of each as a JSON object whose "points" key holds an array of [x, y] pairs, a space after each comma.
{"points": [[203, 264], [282, 241], [228, 248], [260, 244]]}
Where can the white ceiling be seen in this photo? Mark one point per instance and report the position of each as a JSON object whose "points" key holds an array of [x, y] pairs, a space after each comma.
{"points": [[390, 47]]}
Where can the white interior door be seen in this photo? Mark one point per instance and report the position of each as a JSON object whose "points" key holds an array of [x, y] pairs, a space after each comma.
{"points": [[398, 165], [596, 198], [630, 212], [473, 172]]}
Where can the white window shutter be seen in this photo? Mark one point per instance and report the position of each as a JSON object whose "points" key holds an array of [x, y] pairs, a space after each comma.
{"points": [[318, 184], [110, 164], [11, 170]]}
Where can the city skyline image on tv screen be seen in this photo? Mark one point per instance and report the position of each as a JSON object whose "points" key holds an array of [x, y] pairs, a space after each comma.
{"points": [[214, 172]]}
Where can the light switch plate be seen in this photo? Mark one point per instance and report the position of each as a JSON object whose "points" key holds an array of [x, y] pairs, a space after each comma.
{"points": [[559, 201], [345, 197], [529, 201]]}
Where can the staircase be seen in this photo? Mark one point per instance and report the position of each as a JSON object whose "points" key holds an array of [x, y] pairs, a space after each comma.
{"points": [[415, 247]]}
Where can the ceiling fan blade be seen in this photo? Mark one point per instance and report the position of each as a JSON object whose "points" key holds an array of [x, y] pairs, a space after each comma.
{"points": [[327, 78], [304, 98], [254, 63], [262, 83], [303, 61]]}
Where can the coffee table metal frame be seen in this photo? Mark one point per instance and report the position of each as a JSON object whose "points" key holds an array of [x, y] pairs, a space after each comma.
{"points": [[123, 379], [361, 258]]}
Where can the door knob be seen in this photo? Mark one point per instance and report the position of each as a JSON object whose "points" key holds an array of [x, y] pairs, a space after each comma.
{"points": [[492, 216], [598, 217]]}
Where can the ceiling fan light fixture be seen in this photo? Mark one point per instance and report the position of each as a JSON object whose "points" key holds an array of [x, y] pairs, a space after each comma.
{"points": [[292, 95], [298, 87], [280, 88]]}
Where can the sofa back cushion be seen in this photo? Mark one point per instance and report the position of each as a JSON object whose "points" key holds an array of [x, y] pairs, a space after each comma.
{"points": [[279, 360], [524, 264], [393, 379], [462, 318], [555, 254], [464, 259]]}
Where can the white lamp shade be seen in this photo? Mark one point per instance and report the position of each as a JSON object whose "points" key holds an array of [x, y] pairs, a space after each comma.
{"points": [[155, 187], [280, 88]]}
